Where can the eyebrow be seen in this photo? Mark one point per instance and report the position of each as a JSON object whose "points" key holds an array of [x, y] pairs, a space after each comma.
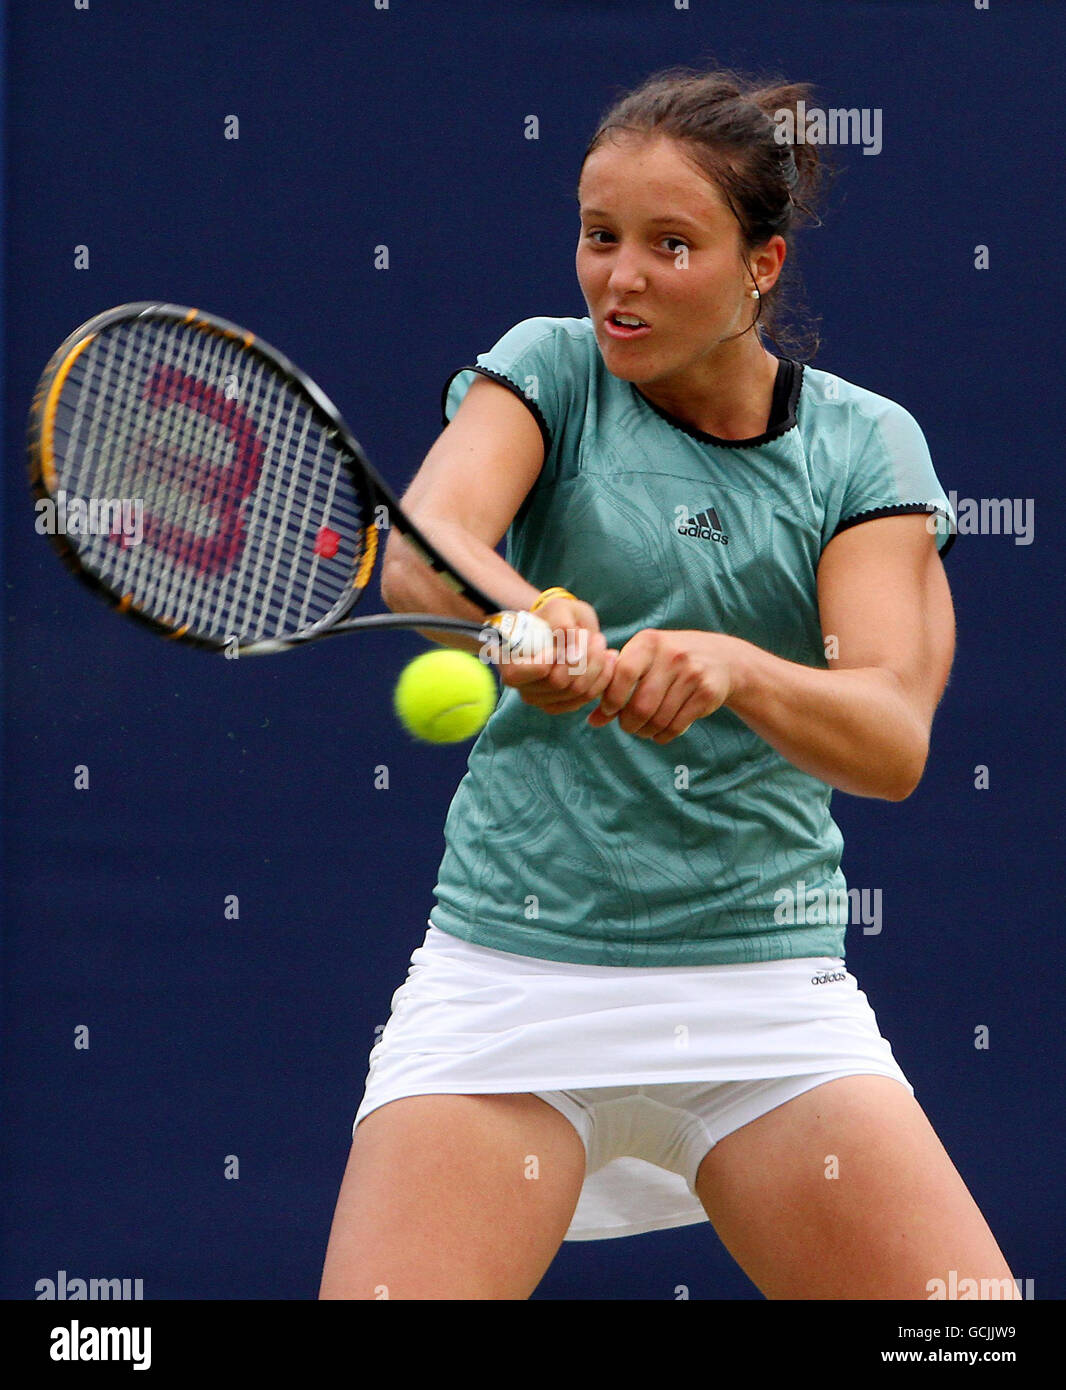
{"points": [[671, 219]]}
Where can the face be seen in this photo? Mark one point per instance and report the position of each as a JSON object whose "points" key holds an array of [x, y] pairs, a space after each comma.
{"points": [[659, 241]]}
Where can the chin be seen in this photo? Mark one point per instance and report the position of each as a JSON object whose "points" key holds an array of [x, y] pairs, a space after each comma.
{"points": [[631, 374], [634, 371]]}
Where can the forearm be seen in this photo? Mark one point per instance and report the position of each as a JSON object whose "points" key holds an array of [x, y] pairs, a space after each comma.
{"points": [[408, 585], [853, 729]]}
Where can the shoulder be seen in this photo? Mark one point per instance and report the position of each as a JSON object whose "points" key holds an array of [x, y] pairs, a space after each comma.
{"points": [[838, 407], [580, 330], [551, 361], [563, 335], [542, 359], [868, 457]]}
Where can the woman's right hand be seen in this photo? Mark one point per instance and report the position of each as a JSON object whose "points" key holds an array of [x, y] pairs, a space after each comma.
{"points": [[580, 665]]}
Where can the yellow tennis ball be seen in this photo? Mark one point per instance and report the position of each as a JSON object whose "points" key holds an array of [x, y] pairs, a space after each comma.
{"points": [[445, 696]]}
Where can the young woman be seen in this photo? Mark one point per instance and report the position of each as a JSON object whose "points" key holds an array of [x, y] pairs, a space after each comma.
{"points": [[631, 1009]]}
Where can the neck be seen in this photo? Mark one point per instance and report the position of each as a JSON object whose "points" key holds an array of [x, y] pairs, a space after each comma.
{"points": [[728, 394]]}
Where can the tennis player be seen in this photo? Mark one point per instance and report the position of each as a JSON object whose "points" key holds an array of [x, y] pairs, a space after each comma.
{"points": [[631, 1009]]}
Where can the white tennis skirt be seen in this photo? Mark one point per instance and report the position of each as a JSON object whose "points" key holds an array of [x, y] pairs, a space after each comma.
{"points": [[652, 1065]]}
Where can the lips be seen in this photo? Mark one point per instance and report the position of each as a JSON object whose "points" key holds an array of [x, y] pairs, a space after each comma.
{"points": [[631, 326]]}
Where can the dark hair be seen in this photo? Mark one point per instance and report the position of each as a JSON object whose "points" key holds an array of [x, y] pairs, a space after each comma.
{"points": [[728, 125]]}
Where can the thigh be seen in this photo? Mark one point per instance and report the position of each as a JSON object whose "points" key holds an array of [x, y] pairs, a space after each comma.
{"points": [[453, 1197], [845, 1192]]}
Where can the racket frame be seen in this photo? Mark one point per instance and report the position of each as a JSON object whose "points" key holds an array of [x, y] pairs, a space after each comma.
{"points": [[43, 483]]}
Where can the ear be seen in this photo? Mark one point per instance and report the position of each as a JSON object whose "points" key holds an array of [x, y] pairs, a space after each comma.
{"points": [[766, 262]]}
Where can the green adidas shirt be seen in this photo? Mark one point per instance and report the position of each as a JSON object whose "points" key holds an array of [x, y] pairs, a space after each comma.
{"points": [[593, 846]]}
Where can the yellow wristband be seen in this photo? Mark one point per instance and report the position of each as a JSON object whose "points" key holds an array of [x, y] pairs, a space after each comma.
{"points": [[548, 594]]}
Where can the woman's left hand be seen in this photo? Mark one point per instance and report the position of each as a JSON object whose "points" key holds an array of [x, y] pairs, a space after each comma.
{"points": [[665, 680]]}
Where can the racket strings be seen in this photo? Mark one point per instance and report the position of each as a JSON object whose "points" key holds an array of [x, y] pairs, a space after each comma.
{"points": [[253, 525], [176, 516], [179, 589]]}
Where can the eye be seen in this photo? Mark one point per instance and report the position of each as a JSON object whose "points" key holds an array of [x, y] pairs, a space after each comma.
{"points": [[599, 236]]}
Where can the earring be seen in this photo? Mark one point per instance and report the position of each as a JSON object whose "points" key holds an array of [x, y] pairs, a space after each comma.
{"points": [[755, 294]]}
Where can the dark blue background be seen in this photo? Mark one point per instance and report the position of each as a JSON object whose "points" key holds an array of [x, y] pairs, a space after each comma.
{"points": [[358, 127]]}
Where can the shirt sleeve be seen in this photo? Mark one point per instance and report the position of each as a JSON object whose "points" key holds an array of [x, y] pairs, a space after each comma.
{"points": [[528, 360], [893, 475]]}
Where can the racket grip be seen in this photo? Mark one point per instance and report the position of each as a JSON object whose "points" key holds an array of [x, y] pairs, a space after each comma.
{"points": [[524, 635], [267, 646]]}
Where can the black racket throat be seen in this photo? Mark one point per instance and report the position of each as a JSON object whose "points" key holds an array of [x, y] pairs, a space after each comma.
{"points": [[488, 638]]}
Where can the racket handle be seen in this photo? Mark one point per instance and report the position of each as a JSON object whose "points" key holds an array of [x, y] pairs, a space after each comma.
{"points": [[524, 634]]}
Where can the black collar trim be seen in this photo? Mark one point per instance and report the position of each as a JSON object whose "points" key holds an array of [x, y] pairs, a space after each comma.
{"points": [[787, 387]]}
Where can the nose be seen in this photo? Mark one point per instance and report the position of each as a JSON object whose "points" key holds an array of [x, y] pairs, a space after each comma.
{"points": [[627, 276]]}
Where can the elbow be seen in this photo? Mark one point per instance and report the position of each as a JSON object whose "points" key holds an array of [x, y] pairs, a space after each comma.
{"points": [[909, 774], [395, 588], [390, 590], [900, 791]]}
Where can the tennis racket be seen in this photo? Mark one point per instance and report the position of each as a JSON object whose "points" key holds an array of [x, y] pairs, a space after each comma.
{"points": [[197, 479]]}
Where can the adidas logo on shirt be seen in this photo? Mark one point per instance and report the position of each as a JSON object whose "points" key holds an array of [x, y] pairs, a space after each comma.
{"points": [[705, 526]]}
